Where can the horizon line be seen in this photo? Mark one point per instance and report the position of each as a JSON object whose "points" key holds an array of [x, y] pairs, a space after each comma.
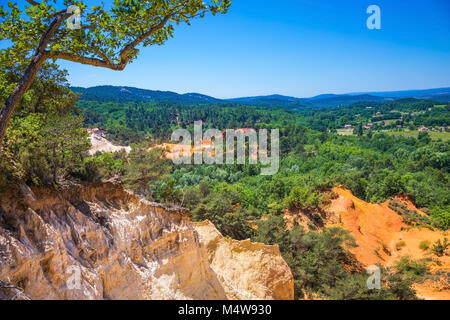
{"points": [[267, 95]]}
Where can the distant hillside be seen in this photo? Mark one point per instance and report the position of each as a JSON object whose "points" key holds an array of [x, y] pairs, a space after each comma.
{"points": [[440, 98], [439, 94], [333, 100], [337, 100], [274, 97], [275, 100], [323, 100], [107, 93]]}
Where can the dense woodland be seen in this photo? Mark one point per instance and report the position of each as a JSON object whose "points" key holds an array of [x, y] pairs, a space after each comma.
{"points": [[46, 145]]}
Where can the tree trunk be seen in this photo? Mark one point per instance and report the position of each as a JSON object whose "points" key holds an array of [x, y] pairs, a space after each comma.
{"points": [[25, 83], [16, 96]]}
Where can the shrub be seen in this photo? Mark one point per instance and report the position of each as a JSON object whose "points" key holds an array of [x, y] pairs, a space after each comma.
{"points": [[410, 268], [411, 217], [441, 218], [317, 218], [440, 246], [400, 244], [424, 245]]}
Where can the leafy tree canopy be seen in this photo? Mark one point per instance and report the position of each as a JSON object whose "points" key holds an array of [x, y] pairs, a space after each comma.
{"points": [[107, 37], [97, 36]]}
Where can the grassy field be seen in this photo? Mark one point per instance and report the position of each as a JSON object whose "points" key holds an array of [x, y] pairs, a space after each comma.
{"points": [[345, 132], [445, 136], [387, 122]]}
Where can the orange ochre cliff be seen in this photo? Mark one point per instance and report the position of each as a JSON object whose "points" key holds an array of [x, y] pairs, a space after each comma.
{"points": [[383, 237]]}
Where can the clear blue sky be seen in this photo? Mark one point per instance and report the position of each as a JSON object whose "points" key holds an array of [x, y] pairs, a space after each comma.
{"points": [[295, 47]]}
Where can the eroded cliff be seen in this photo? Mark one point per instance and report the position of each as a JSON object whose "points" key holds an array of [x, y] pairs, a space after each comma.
{"points": [[246, 269], [97, 241]]}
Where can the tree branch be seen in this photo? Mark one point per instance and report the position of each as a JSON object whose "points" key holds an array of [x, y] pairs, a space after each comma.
{"points": [[85, 60], [33, 3], [52, 28], [38, 59], [137, 41], [106, 63], [101, 54]]}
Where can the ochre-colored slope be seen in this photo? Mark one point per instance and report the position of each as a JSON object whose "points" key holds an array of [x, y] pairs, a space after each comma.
{"points": [[372, 225], [383, 237]]}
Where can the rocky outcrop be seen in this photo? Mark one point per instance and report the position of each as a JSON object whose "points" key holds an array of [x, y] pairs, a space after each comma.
{"points": [[10, 292], [97, 241], [247, 270]]}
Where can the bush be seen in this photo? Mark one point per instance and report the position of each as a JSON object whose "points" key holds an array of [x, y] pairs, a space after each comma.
{"points": [[411, 269], [424, 245], [47, 148], [440, 247], [354, 287], [301, 197], [411, 217], [400, 244], [441, 218]]}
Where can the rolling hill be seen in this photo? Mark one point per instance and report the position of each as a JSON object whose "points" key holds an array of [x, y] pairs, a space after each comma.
{"points": [[108, 93], [432, 94], [113, 93]]}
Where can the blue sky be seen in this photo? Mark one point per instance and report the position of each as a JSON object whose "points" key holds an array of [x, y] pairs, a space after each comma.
{"points": [[294, 47]]}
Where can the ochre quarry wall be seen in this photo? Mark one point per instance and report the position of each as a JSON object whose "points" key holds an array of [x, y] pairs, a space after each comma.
{"points": [[97, 241], [245, 269]]}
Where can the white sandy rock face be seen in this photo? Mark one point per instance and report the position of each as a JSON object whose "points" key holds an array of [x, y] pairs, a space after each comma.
{"points": [[247, 270], [97, 241], [101, 144]]}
